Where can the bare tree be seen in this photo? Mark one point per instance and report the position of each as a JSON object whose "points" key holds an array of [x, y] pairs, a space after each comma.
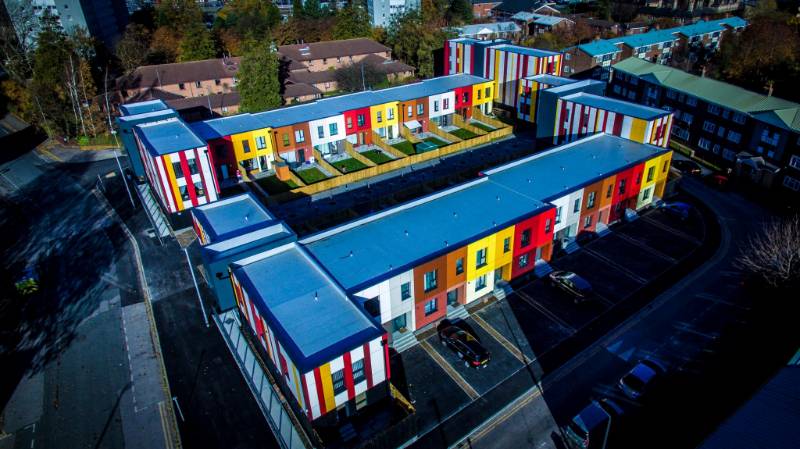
{"points": [[17, 38], [774, 255]]}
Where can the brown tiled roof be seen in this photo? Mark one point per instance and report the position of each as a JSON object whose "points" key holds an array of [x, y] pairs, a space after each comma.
{"points": [[217, 101], [299, 90], [331, 49], [153, 94], [383, 65], [388, 66], [180, 72]]}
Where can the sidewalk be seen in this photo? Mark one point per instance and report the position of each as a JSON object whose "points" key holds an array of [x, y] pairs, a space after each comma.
{"points": [[69, 154]]}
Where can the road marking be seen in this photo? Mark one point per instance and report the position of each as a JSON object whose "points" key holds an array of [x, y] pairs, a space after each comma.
{"points": [[671, 230], [449, 370], [688, 328], [616, 266], [544, 310], [603, 299], [717, 300], [645, 246], [516, 352]]}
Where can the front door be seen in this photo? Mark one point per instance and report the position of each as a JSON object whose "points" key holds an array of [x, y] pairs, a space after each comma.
{"points": [[498, 274], [391, 132], [361, 138], [538, 253], [452, 298], [399, 323], [223, 171], [301, 156]]}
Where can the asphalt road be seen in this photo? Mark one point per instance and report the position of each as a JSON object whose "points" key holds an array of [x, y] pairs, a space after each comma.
{"points": [[672, 328]]}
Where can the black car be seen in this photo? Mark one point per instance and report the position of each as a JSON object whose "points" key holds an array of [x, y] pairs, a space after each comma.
{"points": [[586, 237], [466, 346], [688, 167], [571, 283]]}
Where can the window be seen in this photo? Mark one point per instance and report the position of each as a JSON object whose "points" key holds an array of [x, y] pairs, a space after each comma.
{"points": [[671, 94], [198, 189], [181, 86], [184, 193], [338, 382], [577, 206], [459, 265], [379, 116], [480, 258], [390, 114], [794, 161], [739, 118], [506, 244], [621, 186], [548, 226], [734, 137], [286, 141], [610, 191], [333, 128], [590, 200], [704, 143], [523, 261], [431, 307], [558, 214], [435, 105], [197, 84], [420, 109], [192, 163], [791, 183], [686, 117], [261, 142], [465, 97], [709, 126], [713, 109], [410, 112], [405, 291], [349, 123], [587, 222], [721, 131], [320, 132], [216, 82], [665, 167], [360, 120], [480, 282], [525, 238], [691, 101], [479, 94], [430, 280], [488, 92], [358, 372], [246, 146], [651, 173], [726, 113], [299, 136], [646, 194]]}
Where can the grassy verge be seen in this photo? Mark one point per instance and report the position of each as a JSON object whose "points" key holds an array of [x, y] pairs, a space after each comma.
{"points": [[311, 175], [273, 185], [435, 141], [463, 134], [349, 165], [376, 156], [406, 147], [480, 125]]}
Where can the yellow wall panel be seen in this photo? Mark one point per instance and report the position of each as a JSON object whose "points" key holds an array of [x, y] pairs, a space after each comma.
{"points": [[173, 183], [472, 257], [327, 386]]}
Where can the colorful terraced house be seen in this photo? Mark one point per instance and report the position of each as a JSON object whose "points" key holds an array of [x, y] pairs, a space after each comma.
{"points": [[501, 62], [299, 136], [326, 306]]}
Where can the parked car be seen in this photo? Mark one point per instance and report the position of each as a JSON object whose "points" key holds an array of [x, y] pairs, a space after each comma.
{"points": [[578, 287], [586, 237], [677, 209], [640, 378], [464, 344], [590, 427], [688, 167]]}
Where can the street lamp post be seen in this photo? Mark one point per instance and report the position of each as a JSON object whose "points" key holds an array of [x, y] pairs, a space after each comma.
{"points": [[116, 142]]}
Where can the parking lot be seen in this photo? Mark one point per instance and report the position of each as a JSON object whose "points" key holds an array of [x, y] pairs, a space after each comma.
{"points": [[536, 317]]}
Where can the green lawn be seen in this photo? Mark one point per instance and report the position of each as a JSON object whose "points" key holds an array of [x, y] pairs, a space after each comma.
{"points": [[376, 156], [311, 175], [463, 134], [349, 165], [273, 185], [406, 147], [435, 141], [480, 125]]}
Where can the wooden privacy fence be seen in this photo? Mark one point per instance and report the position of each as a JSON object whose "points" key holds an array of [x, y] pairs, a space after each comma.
{"points": [[348, 147], [434, 129], [480, 116], [396, 164], [461, 123], [378, 140], [324, 164], [408, 135]]}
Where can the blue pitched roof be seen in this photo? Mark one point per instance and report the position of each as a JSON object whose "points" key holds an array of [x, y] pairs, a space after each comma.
{"points": [[525, 50], [256, 241], [599, 47], [149, 116], [167, 136], [551, 80], [705, 27], [365, 251], [313, 317], [232, 217], [226, 126], [143, 107], [618, 106]]}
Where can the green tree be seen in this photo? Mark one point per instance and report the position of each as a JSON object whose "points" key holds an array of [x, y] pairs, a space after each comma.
{"points": [[313, 10], [196, 44], [258, 84], [178, 14], [249, 19], [132, 49], [352, 21], [413, 40], [459, 11], [297, 9], [50, 61], [355, 77]]}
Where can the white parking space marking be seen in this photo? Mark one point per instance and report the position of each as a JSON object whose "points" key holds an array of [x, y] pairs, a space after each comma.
{"points": [[616, 266], [544, 310], [644, 246], [443, 364]]}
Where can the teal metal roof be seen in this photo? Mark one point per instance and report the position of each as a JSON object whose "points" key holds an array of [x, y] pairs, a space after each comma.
{"points": [[143, 107], [647, 39], [617, 106], [168, 136], [599, 47]]}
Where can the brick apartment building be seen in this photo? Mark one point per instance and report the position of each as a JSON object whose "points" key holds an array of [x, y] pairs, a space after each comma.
{"points": [[754, 135]]}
